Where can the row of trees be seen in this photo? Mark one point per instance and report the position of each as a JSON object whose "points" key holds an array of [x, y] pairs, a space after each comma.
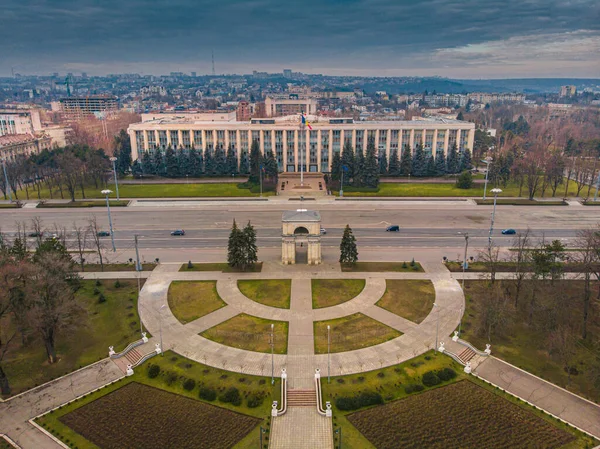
{"points": [[242, 251]]}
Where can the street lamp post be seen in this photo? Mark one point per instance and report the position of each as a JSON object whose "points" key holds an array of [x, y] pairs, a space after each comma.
{"points": [[272, 354], [112, 234], [114, 160], [437, 326], [328, 354], [597, 187], [342, 185], [487, 161], [495, 191], [160, 327], [261, 436], [6, 180]]}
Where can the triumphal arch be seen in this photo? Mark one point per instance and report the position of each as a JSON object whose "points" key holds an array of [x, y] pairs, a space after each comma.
{"points": [[301, 237]]}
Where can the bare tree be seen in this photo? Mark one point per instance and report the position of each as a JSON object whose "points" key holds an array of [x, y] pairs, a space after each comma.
{"points": [[587, 257], [70, 169], [8, 279], [38, 229], [491, 258], [562, 344], [494, 311], [520, 258], [93, 230], [81, 235]]}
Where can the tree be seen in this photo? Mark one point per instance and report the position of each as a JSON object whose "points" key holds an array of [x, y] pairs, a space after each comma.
{"points": [[250, 249], [55, 247], [93, 230], [236, 257], [358, 177], [70, 168], [383, 164], [465, 161], [431, 171], [521, 260], [271, 169], [490, 256], [494, 311], [465, 180], [460, 116], [232, 163], [171, 164], [244, 163], [371, 171], [348, 157], [137, 169], [453, 161], [419, 163], [81, 241], [122, 152], [255, 162], [220, 162], [394, 164], [196, 169], [148, 164], [440, 163], [158, 163], [348, 250], [209, 163], [336, 167], [406, 163], [183, 163], [587, 257], [563, 345]]}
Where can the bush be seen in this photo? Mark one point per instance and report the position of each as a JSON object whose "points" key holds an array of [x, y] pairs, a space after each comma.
{"points": [[364, 399], [254, 401], [190, 265], [96, 291], [446, 374], [345, 403], [101, 298], [171, 377], [189, 384], [465, 180], [153, 371], [430, 379], [231, 396], [117, 284], [412, 262], [98, 283], [404, 265], [208, 394]]}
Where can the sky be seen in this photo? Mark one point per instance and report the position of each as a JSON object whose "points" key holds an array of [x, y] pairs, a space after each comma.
{"points": [[449, 38]]}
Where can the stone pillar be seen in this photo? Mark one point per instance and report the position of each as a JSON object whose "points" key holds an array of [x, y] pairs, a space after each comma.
{"points": [[284, 143], [471, 140], [412, 140], [446, 140]]}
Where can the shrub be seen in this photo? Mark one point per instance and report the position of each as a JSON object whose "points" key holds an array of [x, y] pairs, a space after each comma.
{"points": [[190, 265], [153, 371], [430, 379], [411, 388], [101, 298], [412, 262], [171, 377], [231, 396], [364, 399], [404, 265], [254, 401], [98, 283], [446, 374], [208, 394], [96, 291], [345, 403], [117, 284], [189, 384], [465, 180]]}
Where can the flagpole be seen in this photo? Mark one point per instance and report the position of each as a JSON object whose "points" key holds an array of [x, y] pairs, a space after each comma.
{"points": [[303, 134]]}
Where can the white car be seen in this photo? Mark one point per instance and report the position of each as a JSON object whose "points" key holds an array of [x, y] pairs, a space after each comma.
{"points": [[323, 231]]}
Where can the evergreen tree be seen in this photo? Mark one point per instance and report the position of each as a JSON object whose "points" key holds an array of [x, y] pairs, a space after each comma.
{"points": [[452, 164], [465, 180], [122, 152], [171, 163], [348, 250], [394, 164], [209, 163], [148, 163], [465, 160], [440, 163], [419, 167], [358, 177], [244, 163], [460, 116], [193, 169], [232, 164], [183, 163], [336, 167], [53, 245], [406, 163], [271, 170], [383, 164], [250, 249], [159, 166], [220, 162], [236, 257], [348, 156], [255, 162], [137, 170], [431, 169], [371, 170]]}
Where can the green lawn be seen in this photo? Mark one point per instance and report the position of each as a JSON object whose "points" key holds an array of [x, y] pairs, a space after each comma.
{"points": [[330, 292], [190, 300], [520, 202], [113, 203], [377, 267], [175, 366], [8, 206], [222, 267], [94, 267], [272, 292], [250, 333], [351, 332], [160, 191], [442, 190], [410, 299], [111, 323]]}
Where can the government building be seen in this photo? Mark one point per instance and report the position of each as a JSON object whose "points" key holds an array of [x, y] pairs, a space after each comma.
{"points": [[292, 143]]}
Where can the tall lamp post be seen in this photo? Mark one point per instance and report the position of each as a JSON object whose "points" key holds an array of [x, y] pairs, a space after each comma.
{"points": [[487, 161], [6, 180], [107, 192], [437, 326], [272, 354], [495, 191], [114, 160], [328, 354], [160, 327]]}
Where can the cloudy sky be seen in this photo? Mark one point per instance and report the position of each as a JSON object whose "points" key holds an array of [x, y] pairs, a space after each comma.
{"points": [[453, 38]]}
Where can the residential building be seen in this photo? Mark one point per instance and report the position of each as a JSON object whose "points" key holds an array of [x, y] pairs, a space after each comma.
{"points": [[279, 107], [290, 142], [19, 121], [243, 111], [568, 91]]}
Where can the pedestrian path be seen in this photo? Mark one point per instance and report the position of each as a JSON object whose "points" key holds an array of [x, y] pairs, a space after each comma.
{"points": [[301, 428]]}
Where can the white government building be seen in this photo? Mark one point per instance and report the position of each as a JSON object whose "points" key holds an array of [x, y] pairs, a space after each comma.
{"points": [[290, 142]]}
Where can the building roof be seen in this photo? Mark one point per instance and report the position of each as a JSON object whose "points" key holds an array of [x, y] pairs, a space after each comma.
{"points": [[301, 216], [13, 139]]}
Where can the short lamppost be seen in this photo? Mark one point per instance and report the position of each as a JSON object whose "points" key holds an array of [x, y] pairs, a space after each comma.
{"points": [[272, 354], [262, 431], [260, 178], [495, 191], [6, 180], [328, 354], [114, 160], [160, 327], [339, 432], [112, 234], [437, 326], [487, 161]]}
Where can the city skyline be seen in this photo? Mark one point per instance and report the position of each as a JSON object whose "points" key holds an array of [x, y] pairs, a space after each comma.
{"points": [[363, 38]]}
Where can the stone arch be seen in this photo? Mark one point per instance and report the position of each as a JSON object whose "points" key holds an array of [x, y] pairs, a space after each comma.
{"points": [[301, 230]]}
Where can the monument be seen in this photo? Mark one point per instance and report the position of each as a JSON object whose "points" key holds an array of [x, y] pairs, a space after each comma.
{"points": [[301, 229]]}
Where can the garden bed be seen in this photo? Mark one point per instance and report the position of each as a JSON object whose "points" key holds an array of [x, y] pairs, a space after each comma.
{"points": [[520, 202], [83, 203]]}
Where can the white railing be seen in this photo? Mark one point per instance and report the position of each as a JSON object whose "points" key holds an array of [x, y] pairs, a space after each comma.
{"points": [[283, 406], [327, 411], [144, 358], [128, 348], [471, 347]]}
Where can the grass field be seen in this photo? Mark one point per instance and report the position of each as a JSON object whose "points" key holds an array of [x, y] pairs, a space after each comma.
{"points": [[410, 299], [505, 267], [330, 292], [377, 267], [111, 323], [174, 370], [190, 300], [5, 444], [8, 206], [351, 332], [520, 202], [250, 333], [527, 345], [82, 203], [160, 191], [443, 190], [94, 267], [222, 267], [271, 292]]}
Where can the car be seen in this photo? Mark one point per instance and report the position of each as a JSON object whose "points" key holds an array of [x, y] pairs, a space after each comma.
{"points": [[103, 234], [178, 232], [393, 228], [323, 231], [508, 231], [36, 234]]}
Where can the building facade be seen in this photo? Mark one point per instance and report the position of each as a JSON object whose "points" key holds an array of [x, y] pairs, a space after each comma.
{"points": [[13, 145], [295, 147], [75, 108], [19, 121], [280, 107]]}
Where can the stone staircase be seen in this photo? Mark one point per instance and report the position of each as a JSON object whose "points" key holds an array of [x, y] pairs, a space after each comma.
{"points": [[302, 398], [466, 355]]}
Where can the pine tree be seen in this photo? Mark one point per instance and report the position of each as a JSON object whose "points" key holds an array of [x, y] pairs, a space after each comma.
{"points": [[136, 169], [431, 166], [250, 249], [209, 163], [123, 152], [336, 167], [236, 257], [220, 162], [255, 162], [358, 177], [460, 116], [271, 169], [371, 171], [465, 160], [148, 164], [194, 168], [183, 163], [172, 166], [394, 164], [348, 156], [383, 164], [406, 163], [419, 167], [244, 164], [158, 165], [232, 165], [348, 250], [440, 163], [452, 163]]}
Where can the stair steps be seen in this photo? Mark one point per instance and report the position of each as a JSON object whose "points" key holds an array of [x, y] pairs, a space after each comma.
{"points": [[466, 355], [133, 356], [301, 398]]}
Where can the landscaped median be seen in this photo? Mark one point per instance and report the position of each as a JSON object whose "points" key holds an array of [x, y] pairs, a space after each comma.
{"points": [[520, 202], [221, 267], [270, 292], [190, 300], [94, 267], [170, 402], [410, 299], [378, 267], [82, 203], [9, 206]]}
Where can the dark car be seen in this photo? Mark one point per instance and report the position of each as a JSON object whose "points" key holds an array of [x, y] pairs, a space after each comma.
{"points": [[36, 234], [393, 228], [178, 232], [508, 231], [103, 234]]}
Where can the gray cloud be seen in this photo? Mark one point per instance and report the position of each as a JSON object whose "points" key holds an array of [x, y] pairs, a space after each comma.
{"points": [[356, 35]]}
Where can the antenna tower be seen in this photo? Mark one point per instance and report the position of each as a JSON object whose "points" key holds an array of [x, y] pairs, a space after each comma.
{"points": [[213, 63]]}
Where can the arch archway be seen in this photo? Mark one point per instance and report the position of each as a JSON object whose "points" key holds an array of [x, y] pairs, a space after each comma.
{"points": [[302, 233], [301, 230]]}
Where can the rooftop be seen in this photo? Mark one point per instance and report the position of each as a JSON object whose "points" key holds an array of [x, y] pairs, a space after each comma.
{"points": [[301, 215], [12, 139]]}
